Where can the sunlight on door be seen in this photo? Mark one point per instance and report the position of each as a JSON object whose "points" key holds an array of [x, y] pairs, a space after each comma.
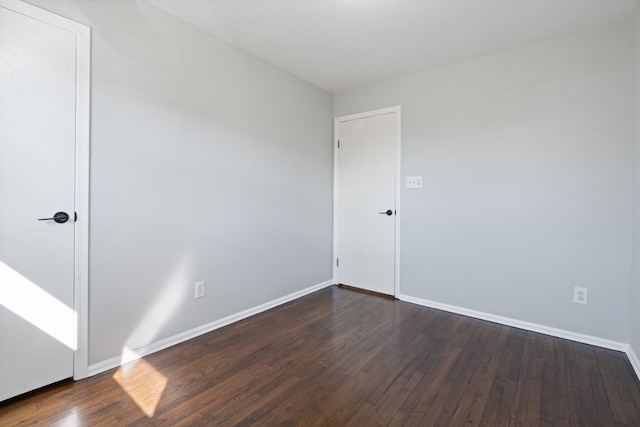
{"points": [[142, 382], [27, 300]]}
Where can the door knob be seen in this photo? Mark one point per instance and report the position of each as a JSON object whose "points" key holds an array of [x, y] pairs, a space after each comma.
{"points": [[387, 212], [59, 217]]}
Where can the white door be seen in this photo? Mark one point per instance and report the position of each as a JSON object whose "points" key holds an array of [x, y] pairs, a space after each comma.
{"points": [[37, 175], [366, 202]]}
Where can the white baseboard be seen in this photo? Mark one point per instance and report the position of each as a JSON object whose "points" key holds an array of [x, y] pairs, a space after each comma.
{"points": [[635, 362], [534, 327], [129, 356]]}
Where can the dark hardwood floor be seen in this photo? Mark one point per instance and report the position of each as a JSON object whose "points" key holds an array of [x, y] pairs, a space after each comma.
{"points": [[338, 357]]}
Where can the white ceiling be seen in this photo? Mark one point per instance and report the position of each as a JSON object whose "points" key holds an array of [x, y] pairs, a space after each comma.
{"points": [[343, 44]]}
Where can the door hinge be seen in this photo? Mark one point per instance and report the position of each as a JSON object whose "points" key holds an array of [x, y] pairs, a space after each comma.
{"points": [[338, 144], [337, 262]]}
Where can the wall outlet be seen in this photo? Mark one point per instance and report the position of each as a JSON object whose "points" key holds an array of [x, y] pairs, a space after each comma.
{"points": [[200, 289], [580, 295]]}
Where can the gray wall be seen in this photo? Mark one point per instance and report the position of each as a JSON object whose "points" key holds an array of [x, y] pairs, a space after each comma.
{"points": [[635, 310], [207, 164], [526, 158]]}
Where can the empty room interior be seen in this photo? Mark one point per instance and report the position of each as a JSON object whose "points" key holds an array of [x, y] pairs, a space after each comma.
{"points": [[344, 212]]}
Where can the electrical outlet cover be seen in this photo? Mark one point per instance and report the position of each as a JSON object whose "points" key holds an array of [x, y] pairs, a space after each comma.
{"points": [[580, 295], [199, 289]]}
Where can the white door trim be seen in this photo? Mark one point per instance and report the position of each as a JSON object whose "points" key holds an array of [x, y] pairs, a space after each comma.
{"points": [[336, 130], [83, 99]]}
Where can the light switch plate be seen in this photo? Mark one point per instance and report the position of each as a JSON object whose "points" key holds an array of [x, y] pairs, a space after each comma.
{"points": [[414, 182]]}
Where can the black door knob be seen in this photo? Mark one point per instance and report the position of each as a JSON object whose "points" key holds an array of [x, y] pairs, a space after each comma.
{"points": [[387, 212], [59, 217]]}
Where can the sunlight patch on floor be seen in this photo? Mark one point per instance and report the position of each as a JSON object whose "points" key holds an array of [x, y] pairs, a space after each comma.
{"points": [[70, 420], [27, 300], [142, 382]]}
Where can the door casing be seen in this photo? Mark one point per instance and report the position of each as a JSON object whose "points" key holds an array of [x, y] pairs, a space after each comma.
{"points": [[336, 173], [81, 202]]}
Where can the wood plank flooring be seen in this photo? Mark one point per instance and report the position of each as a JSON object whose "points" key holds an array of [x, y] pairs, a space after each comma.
{"points": [[343, 358]]}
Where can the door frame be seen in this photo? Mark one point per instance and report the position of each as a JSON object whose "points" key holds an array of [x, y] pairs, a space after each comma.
{"points": [[336, 174], [81, 184]]}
